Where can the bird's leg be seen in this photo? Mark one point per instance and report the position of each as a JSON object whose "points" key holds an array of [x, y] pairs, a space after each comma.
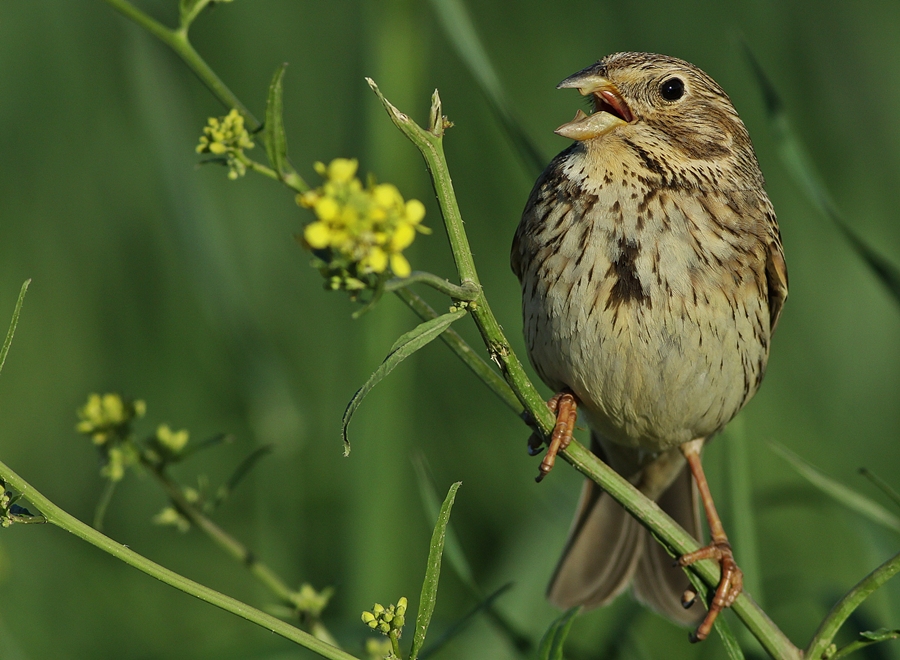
{"points": [[731, 581], [566, 409]]}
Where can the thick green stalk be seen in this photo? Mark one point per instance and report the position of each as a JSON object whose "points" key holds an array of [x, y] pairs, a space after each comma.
{"points": [[429, 143], [60, 518], [848, 604]]}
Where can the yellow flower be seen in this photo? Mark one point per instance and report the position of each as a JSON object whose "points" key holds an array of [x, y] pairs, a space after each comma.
{"points": [[359, 232], [400, 265], [174, 441], [226, 136], [342, 170], [102, 416]]}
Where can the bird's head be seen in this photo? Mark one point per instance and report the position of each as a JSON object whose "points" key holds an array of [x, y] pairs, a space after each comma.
{"points": [[656, 101]]}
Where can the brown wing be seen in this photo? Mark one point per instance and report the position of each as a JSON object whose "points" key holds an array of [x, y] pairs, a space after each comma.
{"points": [[777, 279]]}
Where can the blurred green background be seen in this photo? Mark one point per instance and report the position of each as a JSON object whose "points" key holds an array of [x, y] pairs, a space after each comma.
{"points": [[168, 282]]}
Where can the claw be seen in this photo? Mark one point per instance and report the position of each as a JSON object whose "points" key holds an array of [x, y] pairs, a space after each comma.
{"points": [[566, 409]]}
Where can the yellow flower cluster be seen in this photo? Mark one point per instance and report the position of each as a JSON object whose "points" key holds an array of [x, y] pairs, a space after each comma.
{"points": [[103, 417], [173, 441], [359, 230], [226, 136]]}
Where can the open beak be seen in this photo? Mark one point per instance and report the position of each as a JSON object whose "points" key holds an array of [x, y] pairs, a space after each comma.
{"points": [[610, 109]]}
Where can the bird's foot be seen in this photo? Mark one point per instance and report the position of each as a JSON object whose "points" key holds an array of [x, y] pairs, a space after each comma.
{"points": [[731, 583], [566, 409]]}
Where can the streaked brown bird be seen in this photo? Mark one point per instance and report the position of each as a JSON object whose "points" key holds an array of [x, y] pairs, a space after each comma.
{"points": [[652, 277]]}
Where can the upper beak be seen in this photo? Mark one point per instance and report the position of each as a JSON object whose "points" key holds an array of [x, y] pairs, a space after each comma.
{"points": [[610, 108]]}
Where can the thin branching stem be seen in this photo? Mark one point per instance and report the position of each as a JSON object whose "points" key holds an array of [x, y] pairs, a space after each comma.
{"points": [[848, 604], [467, 292], [60, 518], [177, 40]]}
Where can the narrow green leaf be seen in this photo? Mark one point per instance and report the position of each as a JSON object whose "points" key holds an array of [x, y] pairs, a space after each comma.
{"points": [[553, 641], [276, 140], [241, 471], [452, 546], [800, 165], [457, 24], [13, 323], [838, 491], [209, 443], [880, 635], [432, 573], [881, 484], [408, 344]]}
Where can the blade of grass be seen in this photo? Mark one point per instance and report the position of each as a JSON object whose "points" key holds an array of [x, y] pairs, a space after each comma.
{"points": [[459, 28], [838, 491], [13, 323], [882, 485], [553, 641], [800, 165], [241, 471], [432, 573]]}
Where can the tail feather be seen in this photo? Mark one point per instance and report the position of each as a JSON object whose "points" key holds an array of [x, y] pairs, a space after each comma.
{"points": [[659, 584], [607, 548], [601, 555]]}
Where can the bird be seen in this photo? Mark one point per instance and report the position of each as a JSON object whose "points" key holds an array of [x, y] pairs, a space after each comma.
{"points": [[653, 275]]}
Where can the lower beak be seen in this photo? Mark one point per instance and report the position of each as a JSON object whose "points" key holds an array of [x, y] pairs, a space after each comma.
{"points": [[585, 127], [612, 111]]}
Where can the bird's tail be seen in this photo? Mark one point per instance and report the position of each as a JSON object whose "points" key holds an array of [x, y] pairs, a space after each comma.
{"points": [[607, 548]]}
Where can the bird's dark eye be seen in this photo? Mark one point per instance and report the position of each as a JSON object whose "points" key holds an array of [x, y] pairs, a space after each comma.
{"points": [[672, 89]]}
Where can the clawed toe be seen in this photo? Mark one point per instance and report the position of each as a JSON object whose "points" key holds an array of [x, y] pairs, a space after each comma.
{"points": [[731, 583], [566, 409]]}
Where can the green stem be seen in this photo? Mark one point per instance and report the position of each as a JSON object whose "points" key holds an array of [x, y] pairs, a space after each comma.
{"points": [[645, 510], [60, 518], [177, 40], [466, 292], [394, 636], [848, 604], [221, 538]]}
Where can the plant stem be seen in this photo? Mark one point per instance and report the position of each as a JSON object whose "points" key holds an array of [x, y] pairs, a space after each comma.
{"points": [[848, 604], [60, 518], [465, 292], [645, 510], [177, 40], [221, 538]]}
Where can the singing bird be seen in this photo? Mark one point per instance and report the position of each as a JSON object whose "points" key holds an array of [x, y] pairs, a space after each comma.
{"points": [[652, 276]]}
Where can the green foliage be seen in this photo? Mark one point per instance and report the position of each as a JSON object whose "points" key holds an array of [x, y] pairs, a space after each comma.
{"points": [[553, 641], [406, 345], [428, 597]]}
